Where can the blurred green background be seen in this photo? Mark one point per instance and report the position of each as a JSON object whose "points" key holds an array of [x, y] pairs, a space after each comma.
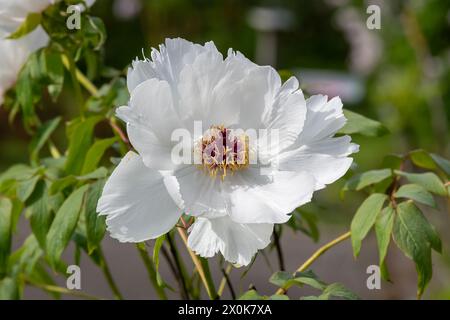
{"points": [[399, 75]]}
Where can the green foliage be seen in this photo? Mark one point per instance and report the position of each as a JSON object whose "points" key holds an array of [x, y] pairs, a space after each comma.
{"points": [[63, 225], [32, 21], [415, 237], [286, 280], [358, 124], [416, 193], [363, 180], [364, 219], [58, 190], [5, 233]]}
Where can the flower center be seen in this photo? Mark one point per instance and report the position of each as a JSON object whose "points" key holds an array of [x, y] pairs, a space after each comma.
{"points": [[223, 152]]}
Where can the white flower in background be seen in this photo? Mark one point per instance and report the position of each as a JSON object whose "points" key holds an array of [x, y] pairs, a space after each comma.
{"points": [[14, 53], [235, 213]]}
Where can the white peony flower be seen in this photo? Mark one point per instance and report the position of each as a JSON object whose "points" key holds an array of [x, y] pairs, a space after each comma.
{"points": [[235, 204], [14, 53]]}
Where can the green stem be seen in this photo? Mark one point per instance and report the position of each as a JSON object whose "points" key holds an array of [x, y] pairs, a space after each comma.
{"points": [[315, 256], [202, 267], [61, 290], [109, 278], [151, 270], [69, 63], [180, 267]]}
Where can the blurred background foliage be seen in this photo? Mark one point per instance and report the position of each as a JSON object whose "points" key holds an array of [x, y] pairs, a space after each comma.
{"points": [[399, 74]]}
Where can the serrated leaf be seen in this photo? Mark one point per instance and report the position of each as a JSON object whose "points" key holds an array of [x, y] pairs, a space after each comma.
{"points": [[364, 219], [383, 229], [428, 180], [415, 237], [80, 139], [95, 224], [358, 124], [31, 22], [41, 137], [417, 193], [6, 208], [360, 181], [95, 154], [64, 225]]}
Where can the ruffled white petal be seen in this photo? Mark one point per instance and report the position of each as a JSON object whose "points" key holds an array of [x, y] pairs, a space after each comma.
{"points": [[151, 120], [258, 198], [316, 150], [137, 203], [237, 242], [202, 195]]}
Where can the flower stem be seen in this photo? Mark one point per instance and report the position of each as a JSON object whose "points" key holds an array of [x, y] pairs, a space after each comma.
{"points": [[56, 289], [84, 81], [315, 256], [226, 280], [207, 281], [179, 267], [109, 278], [151, 271]]}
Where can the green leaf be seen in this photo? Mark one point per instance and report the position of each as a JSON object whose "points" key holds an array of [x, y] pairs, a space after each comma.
{"points": [[64, 225], [360, 181], [54, 71], [26, 257], [417, 193], [6, 208], [9, 289], [80, 139], [278, 297], [428, 180], [364, 219], [415, 237], [338, 290], [383, 229], [17, 172], [158, 244], [358, 124], [30, 23], [61, 184], [286, 279], [26, 188], [99, 173], [444, 164], [422, 159], [95, 154], [251, 295], [41, 137], [95, 224], [41, 215]]}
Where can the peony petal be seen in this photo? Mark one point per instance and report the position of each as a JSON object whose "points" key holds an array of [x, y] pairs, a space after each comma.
{"points": [[257, 198], [136, 202], [315, 150], [151, 120], [202, 194], [237, 242]]}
